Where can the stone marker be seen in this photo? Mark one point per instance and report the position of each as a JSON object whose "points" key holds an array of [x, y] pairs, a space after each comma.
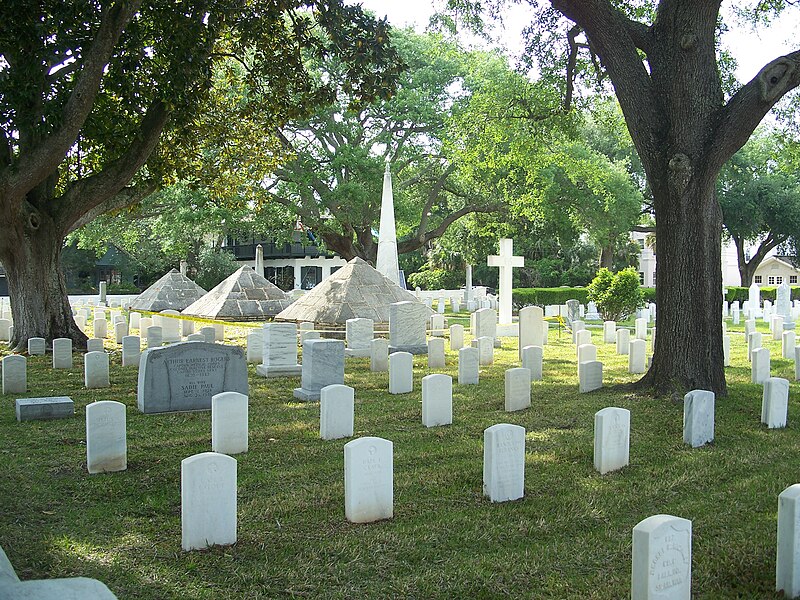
{"points": [[532, 359], [775, 402], [170, 326], [401, 368], [441, 306], [359, 334], [209, 334], [106, 437], [531, 327], [154, 336], [184, 376], [753, 343], [187, 327], [279, 351], [62, 353], [219, 332], [506, 261], [760, 368], [379, 355], [726, 350], [776, 327], [100, 327], [456, 337], [5, 330], [407, 321], [208, 500], [623, 340], [57, 407], [468, 366], [368, 480], [255, 343], [582, 337], [37, 346], [95, 345], [120, 331], [485, 324], [438, 325], [229, 423], [517, 389], [15, 374], [637, 356], [573, 311], [323, 364], [95, 370], [586, 353], [485, 347], [698, 418], [135, 320], [612, 433], [787, 565], [590, 376], [662, 559], [437, 400], [788, 343], [436, 353], [504, 462], [640, 326], [797, 363], [609, 332], [196, 337], [336, 411]]}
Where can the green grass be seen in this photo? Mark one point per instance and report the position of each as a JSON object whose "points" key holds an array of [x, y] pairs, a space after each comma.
{"points": [[570, 537]]}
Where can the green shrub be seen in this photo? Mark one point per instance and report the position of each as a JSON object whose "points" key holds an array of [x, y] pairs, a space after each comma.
{"points": [[545, 296], [648, 295], [435, 279], [617, 295], [213, 266]]}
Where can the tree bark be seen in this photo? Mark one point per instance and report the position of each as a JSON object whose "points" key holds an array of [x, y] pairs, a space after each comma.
{"points": [[607, 256], [39, 303]]}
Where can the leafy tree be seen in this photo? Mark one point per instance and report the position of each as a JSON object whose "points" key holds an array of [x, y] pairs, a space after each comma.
{"points": [[663, 62], [760, 196], [617, 295], [88, 89]]}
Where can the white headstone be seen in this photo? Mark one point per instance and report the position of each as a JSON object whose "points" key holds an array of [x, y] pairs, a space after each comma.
{"points": [[637, 356], [120, 331], [440, 307], [62, 353], [788, 343], [5, 330], [590, 376], [255, 346], [485, 347], [698, 418], [577, 327], [456, 337], [379, 355], [407, 327], [436, 353], [437, 400], [279, 351], [15, 374], [323, 364], [584, 336], [591, 312], [469, 366], [532, 359], [229, 423], [95, 345], [368, 480], [131, 350], [760, 368], [531, 327], [726, 350], [662, 559], [208, 333], [775, 402], [586, 353], [609, 332], [518, 389], [359, 334], [37, 346], [753, 342], [208, 500], [485, 323], [100, 327], [776, 327], [504, 462], [612, 433], [106, 437], [401, 370], [336, 411], [506, 261], [219, 332], [144, 323], [95, 370], [187, 327], [135, 320], [154, 336], [438, 324], [787, 564], [641, 329], [754, 299]]}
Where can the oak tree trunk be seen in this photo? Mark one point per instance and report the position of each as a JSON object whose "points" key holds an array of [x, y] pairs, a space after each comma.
{"points": [[607, 256]]}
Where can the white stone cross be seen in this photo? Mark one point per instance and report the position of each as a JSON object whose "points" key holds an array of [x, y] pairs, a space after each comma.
{"points": [[506, 261]]}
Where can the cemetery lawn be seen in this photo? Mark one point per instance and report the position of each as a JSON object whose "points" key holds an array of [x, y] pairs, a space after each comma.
{"points": [[570, 537]]}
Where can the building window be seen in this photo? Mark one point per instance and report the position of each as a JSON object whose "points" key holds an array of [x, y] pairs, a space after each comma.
{"points": [[771, 280], [779, 279], [792, 278], [641, 243], [641, 277], [758, 278]]}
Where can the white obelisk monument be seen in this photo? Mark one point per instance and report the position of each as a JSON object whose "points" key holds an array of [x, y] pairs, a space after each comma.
{"points": [[387, 263]]}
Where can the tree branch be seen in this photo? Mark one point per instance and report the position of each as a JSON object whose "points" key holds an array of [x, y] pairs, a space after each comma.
{"points": [[419, 241], [124, 198], [745, 110], [33, 166]]}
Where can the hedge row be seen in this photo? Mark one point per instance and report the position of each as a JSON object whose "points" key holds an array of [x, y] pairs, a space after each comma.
{"points": [[767, 293], [546, 296]]}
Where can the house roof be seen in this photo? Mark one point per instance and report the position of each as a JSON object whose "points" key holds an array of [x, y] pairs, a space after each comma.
{"points": [[785, 261], [244, 296], [174, 291], [356, 290]]}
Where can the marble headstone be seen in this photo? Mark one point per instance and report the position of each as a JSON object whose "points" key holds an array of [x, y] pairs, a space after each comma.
{"points": [[106, 437], [504, 462], [368, 480], [323, 364], [662, 559], [229, 422], [437, 400], [336, 411], [15, 374], [698, 418], [612, 431], [407, 327], [208, 500]]}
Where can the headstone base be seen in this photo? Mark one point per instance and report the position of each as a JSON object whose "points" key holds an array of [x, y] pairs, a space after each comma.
{"points": [[279, 371], [57, 407], [306, 395], [420, 349], [508, 330]]}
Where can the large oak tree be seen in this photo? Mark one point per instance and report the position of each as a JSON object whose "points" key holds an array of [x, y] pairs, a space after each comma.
{"points": [[89, 87]]}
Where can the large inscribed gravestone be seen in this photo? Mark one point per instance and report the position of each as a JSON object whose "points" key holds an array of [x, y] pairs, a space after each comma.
{"points": [[186, 375]]}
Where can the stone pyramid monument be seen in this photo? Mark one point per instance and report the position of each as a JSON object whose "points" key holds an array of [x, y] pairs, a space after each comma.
{"points": [[244, 296], [174, 291], [355, 290]]}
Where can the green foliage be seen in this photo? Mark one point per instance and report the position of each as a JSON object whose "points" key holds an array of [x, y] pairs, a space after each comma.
{"points": [[616, 295], [742, 294], [547, 296], [436, 279], [214, 265]]}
